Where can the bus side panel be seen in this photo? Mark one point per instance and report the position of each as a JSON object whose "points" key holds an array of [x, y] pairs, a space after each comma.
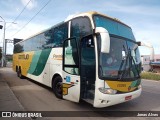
{"points": [[39, 67], [55, 63], [15, 61], [23, 61], [52, 65], [31, 62]]}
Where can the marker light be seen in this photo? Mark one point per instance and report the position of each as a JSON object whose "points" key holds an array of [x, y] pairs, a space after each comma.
{"points": [[107, 90]]}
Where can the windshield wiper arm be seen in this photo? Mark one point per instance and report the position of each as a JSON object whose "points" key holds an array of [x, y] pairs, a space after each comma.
{"points": [[124, 72], [135, 66], [121, 65]]}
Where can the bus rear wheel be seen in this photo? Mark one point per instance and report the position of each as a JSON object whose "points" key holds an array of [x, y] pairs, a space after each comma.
{"points": [[20, 74], [57, 87], [17, 71]]}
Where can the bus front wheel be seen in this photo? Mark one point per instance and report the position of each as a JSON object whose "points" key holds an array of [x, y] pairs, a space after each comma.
{"points": [[57, 87]]}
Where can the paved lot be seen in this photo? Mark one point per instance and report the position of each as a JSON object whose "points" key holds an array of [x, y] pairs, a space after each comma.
{"points": [[32, 96]]}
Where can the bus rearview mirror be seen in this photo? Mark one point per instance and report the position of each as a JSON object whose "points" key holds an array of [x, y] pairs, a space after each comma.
{"points": [[105, 39], [138, 43]]}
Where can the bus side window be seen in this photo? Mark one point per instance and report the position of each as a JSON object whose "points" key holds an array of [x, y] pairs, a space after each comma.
{"points": [[71, 59], [80, 27], [55, 36], [60, 33], [18, 48]]}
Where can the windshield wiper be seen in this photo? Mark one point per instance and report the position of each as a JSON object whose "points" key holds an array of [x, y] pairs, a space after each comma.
{"points": [[135, 66], [121, 65], [125, 71]]}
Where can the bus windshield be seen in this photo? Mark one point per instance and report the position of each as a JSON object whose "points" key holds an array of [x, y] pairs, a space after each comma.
{"points": [[123, 60], [113, 27]]}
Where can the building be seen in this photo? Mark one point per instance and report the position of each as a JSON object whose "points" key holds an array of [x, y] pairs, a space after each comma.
{"points": [[146, 61]]}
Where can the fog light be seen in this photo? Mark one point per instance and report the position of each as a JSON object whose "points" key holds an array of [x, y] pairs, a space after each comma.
{"points": [[107, 90]]}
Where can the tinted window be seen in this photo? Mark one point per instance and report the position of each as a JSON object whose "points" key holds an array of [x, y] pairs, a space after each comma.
{"points": [[60, 34], [36, 41], [18, 48], [71, 57], [48, 39], [27, 45], [80, 27], [114, 27], [55, 36]]}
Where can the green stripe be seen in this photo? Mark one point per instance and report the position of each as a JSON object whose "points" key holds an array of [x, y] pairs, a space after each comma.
{"points": [[34, 61], [42, 61], [136, 83]]}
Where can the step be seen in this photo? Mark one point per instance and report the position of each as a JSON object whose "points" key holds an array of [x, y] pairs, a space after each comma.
{"points": [[93, 87], [89, 101], [90, 94]]}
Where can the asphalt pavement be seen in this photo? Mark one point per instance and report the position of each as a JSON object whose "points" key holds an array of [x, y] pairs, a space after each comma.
{"points": [[26, 95], [8, 101]]}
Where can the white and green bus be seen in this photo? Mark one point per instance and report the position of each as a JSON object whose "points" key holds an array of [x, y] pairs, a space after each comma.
{"points": [[89, 56]]}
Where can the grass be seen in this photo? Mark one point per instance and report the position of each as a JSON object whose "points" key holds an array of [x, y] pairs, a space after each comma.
{"points": [[150, 76]]}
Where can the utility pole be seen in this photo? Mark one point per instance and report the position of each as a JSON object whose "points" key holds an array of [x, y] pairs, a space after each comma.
{"points": [[4, 43], [7, 41], [3, 50]]}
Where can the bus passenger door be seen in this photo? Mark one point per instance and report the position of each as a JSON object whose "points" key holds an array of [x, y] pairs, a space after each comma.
{"points": [[87, 68], [71, 78]]}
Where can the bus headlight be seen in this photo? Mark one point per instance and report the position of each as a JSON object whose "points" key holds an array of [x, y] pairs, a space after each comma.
{"points": [[107, 90]]}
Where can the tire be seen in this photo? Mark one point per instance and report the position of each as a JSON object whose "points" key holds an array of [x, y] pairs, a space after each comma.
{"points": [[20, 74], [57, 87], [17, 70]]}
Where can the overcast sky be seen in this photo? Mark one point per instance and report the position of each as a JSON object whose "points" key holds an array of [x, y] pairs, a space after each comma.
{"points": [[142, 15]]}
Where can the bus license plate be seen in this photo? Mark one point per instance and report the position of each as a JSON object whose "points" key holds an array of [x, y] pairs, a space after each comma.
{"points": [[128, 97]]}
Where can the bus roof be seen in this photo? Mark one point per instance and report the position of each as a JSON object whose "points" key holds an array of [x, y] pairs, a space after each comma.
{"points": [[91, 13], [70, 17]]}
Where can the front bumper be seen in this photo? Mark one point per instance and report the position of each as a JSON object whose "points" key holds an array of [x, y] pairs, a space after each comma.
{"points": [[105, 100]]}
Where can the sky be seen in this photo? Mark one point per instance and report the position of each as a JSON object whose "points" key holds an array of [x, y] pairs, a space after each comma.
{"points": [[143, 16]]}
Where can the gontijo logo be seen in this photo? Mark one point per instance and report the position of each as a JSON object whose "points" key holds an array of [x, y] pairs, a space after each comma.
{"points": [[57, 57], [23, 56]]}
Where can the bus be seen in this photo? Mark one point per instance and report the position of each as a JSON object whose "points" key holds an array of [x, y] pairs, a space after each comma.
{"points": [[89, 56]]}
